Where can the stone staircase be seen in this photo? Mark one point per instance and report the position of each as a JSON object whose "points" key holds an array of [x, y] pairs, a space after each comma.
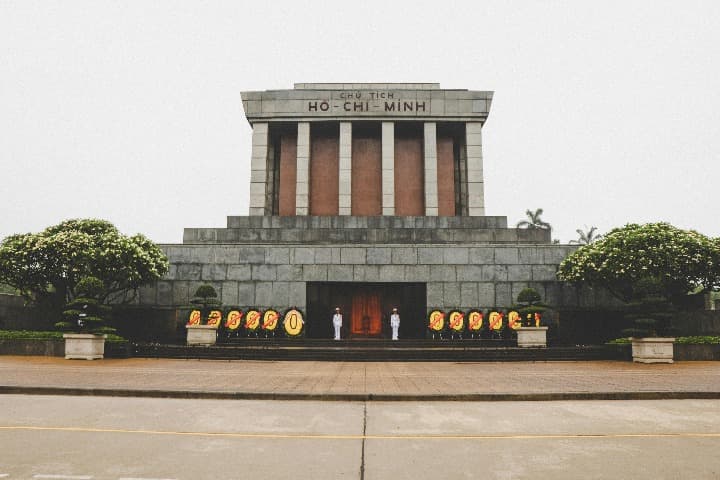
{"points": [[352, 230], [378, 350]]}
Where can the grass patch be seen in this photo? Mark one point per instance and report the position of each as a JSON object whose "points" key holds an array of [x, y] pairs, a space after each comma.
{"points": [[47, 335], [700, 340], [8, 289]]}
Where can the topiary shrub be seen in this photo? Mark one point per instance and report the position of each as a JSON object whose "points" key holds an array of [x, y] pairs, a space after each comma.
{"points": [[205, 292], [651, 312], [205, 295], [529, 296], [206, 298], [85, 313], [651, 317], [530, 308]]}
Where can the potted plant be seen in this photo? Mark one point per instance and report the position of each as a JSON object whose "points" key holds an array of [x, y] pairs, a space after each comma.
{"points": [[84, 319], [532, 333], [652, 334], [199, 333]]}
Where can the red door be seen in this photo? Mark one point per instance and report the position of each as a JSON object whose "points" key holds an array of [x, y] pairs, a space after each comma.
{"points": [[366, 315]]}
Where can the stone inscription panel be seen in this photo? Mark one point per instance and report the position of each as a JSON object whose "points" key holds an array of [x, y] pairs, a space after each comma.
{"points": [[367, 103], [362, 101]]}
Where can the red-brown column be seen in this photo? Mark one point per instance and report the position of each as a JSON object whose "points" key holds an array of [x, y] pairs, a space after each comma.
{"points": [[446, 176], [366, 175], [324, 171], [409, 173], [288, 174]]}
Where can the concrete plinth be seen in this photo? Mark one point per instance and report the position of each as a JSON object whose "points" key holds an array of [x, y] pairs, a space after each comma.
{"points": [[532, 337], [653, 350], [84, 346], [201, 334]]}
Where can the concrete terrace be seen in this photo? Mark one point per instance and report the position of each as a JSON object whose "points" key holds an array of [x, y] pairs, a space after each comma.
{"points": [[360, 381]]}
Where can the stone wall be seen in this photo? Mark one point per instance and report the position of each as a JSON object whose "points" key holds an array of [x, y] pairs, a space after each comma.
{"points": [[465, 262], [275, 275], [14, 315], [47, 348], [706, 322], [360, 101], [360, 230]]}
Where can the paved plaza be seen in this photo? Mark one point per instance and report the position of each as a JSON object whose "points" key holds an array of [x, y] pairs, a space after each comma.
{"points": [[586, 428], [360, 380], [111, 438]]}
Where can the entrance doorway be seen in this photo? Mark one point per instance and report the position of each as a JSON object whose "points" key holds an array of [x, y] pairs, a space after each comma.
{"points": [[365, 312], [366, 309]]}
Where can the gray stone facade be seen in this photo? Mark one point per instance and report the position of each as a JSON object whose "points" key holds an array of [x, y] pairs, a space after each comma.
{"points": [[464, 261], [385, 103], [352, 230], [417, 101], [269, 260]]}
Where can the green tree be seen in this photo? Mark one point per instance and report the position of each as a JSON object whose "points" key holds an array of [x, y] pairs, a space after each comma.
{"points": [[45, 267], [586, 237], [533, 220], [628, 260]]}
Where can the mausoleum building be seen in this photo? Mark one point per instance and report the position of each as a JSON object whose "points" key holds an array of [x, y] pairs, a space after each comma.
{"points": [[368, 197]]}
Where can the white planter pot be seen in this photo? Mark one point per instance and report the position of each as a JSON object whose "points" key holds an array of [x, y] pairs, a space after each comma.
{"points": [[532, 336], [201, 334], [84, 346], [653, 349]]}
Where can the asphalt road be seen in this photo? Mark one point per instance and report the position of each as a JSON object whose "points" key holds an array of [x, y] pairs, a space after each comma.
{"points": [[87, 438]]}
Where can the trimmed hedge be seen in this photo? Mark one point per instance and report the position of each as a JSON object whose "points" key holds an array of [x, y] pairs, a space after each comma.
{"points": [[49, 335], [703, 340], [698, 340]]}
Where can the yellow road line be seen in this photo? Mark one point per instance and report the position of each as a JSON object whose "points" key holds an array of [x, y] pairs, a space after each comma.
{"points": [[319, 436]]}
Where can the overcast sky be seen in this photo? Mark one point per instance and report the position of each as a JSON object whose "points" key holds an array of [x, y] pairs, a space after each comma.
{"points": [[604, 112]]}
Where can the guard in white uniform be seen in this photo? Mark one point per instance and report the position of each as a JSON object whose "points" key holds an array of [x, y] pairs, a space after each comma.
{"points": [[337, 322], [395, 323]]}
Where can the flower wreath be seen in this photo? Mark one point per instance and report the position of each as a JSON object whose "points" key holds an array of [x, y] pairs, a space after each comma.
{"points": [[214, 318], [436, 321], [475, 320], [456, 321], [233, 319], [194, 318], [293, 323], [495, 321], [514, 320], [270, 320], [252, 320]]}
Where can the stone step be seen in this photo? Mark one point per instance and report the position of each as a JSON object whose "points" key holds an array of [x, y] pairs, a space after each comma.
{"points": [[328, 236], [368, 342], [300, 352], [349, 222]]}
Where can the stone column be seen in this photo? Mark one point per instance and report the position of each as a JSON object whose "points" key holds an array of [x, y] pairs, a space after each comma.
{"points": [[476, 190], [258, 169], [388, 168], [430, 152], [345, 177], [302, 191]]}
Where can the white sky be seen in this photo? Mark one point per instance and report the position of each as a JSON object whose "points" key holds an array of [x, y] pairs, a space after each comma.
{"points": [[604, 112]]}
